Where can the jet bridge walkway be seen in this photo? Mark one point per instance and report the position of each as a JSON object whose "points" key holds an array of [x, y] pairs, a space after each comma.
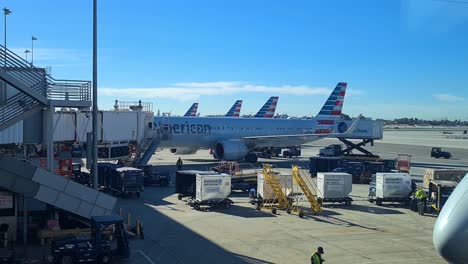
{"points": [[23, 176]]}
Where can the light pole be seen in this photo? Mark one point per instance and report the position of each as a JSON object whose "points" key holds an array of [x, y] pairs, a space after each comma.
{"points": [[6, 12], [33, 38], [26, 54], [94, 168]]}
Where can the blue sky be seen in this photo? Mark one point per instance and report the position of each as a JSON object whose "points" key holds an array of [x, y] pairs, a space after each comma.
{"points": [[400, 58]]}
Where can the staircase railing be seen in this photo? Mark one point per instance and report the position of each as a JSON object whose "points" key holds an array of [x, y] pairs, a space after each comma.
{"points": [[69, 90], [14, 65], [41, 82], [15, 106]]}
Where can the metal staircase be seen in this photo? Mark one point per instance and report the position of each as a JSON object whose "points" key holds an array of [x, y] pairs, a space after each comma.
{"points": [[33, 89], [273, 182], [312, 198], [146, 150]]}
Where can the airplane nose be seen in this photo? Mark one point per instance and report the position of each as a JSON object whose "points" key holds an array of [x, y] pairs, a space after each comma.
{"points": [[450, 235]]}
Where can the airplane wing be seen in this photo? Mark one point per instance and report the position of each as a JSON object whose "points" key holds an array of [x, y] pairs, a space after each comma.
{"points": [[293, 140]]}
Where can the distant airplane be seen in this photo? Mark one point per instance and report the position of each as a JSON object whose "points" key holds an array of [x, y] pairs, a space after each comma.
{"points": [[192, 111], [235, 109], [450, 235], [268, 109], [237, 138]]}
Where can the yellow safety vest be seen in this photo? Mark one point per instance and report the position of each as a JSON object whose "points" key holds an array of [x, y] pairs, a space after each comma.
{"points": [[420, 194], [315, 257]]}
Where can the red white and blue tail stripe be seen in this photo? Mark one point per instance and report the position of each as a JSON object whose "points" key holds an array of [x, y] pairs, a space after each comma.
{"points": [[331, 110], [192, 110], [269, 108], [235, 109]]}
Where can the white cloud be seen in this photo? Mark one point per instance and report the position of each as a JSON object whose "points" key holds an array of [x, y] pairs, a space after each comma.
{"points": [[448, 98], [193, 90]]}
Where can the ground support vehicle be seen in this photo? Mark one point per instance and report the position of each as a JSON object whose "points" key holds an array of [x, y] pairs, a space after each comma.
{"points": [[125, 181], [333, 150], [108, 241], [79, 176], [438, 153], [151, 177], [439, 192]]}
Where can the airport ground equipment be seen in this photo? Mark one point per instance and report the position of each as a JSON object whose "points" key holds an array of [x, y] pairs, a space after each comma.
{"points": [[272, 190], [439, 192], [212, 190], [437, 153], [95, 248], [361, 168], [152, 177], [403, 163], [243, 178], [185, 182], [443, 174], [333, 150], [80, 176], [125, 180], [391, 187], [307, 187], [334, 187]]}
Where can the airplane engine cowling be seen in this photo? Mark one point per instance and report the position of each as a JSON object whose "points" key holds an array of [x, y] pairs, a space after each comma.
{"points": [[228, 150]]}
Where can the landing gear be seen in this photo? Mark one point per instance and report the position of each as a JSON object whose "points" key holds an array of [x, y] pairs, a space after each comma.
{"points": [[251, 157]]}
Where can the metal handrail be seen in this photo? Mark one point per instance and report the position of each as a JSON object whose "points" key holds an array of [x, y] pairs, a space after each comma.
{"points": [[39, 81], [70, 90]]}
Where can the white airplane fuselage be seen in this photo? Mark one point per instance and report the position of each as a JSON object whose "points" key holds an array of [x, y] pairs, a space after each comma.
{"points": [[206, 132]]}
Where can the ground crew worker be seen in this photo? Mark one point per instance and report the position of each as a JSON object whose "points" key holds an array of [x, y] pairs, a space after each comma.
{"points": [[252, 193], [179, 164], [316, 258], [421, 197]]}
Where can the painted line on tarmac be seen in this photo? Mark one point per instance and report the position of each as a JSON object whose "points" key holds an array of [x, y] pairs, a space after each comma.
{"points": [[146, 257]]}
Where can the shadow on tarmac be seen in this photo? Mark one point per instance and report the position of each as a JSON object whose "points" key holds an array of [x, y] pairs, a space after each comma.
{"points": [[368, 209], [239, 211], [168, 241]]}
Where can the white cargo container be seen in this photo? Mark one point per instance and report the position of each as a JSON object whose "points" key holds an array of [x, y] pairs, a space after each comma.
{"points": [[212, 187], [334, 185], [264, 190], [392, 185], [13, 134], [366, 128]]}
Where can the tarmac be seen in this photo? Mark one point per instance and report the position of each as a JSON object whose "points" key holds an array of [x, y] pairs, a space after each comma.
{"points": [[362, 233]]}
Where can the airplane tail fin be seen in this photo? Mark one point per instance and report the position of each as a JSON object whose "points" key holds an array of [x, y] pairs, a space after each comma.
{"points": [[269, 108], [192, 110], [334, 104], [331, 110], [235, 109]]}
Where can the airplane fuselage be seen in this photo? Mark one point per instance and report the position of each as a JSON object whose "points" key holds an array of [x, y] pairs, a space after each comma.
{"points": [[205, 132]]}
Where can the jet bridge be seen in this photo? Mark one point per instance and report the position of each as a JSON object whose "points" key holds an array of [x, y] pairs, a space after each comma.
{"points": [[23, 176]]}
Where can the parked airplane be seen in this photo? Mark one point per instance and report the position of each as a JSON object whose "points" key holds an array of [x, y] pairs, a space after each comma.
{"points": [[269, 108], [450, 235], [237, 138], [192, 111], [235, 109]]}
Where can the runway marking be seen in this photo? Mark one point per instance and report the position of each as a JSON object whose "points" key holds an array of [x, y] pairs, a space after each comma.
{"points": [[146, 257]]}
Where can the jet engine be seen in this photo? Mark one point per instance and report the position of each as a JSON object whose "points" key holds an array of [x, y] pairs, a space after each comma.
{"points": [[230, 150]]}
